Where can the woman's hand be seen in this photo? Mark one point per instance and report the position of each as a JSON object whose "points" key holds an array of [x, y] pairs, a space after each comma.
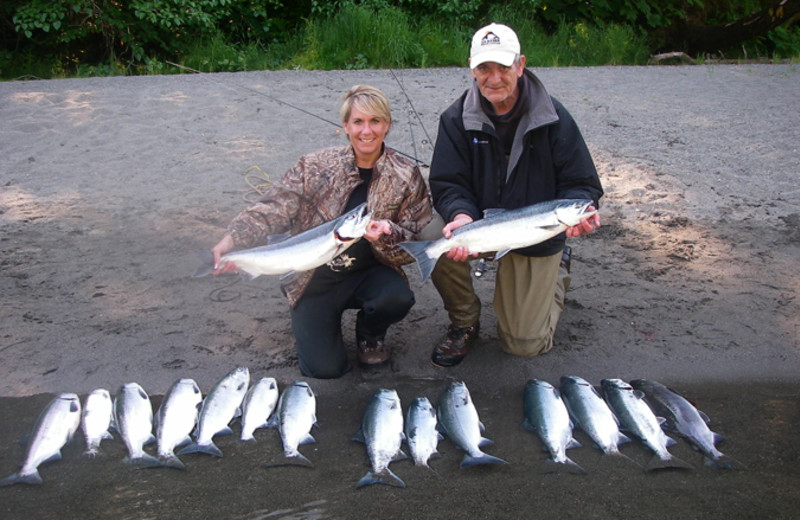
{"points": [[376, 229], [222, 247]]}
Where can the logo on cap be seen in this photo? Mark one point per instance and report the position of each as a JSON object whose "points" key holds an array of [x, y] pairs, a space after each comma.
{"points": [[490, 39]]}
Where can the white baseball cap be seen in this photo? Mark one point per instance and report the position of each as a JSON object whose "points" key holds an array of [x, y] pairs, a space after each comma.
{"points": [[496, 43]]}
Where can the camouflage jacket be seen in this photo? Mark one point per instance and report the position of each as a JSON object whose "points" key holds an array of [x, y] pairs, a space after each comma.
{"points": [[316, 190]]}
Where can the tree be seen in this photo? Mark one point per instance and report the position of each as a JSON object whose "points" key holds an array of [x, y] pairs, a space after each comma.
{"points": [[696, 38]]}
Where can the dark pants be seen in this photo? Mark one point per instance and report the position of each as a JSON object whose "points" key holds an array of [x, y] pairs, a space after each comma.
{"points": [[380, 294]]}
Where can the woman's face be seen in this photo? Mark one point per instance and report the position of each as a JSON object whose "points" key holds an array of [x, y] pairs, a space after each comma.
{"points": [[366, 133]]}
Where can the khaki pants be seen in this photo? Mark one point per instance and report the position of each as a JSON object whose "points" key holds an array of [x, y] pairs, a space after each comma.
{"points": [[528, 299]]}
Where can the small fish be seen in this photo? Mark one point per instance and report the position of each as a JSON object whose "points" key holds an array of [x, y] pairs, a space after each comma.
{"points": [[294, 418], [636, 417], [54, 428], [219, 408], [683, 418], [258, 405], [175, 420], [422, 437], [591, 414], [301, 252], [133, 416], [458, 420], [96, 418], [382, 433], [502, 231], [546, 415]]}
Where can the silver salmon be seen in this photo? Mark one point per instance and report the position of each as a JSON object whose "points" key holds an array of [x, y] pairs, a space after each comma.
{"points": [[219, 408], [257, 407], [133, 416], [422, 437], [301, 252], [546, 414], [458, 420], [636, 417], [54, 428], [502, 231], [382, 433], [683, 418], [294, 418], [591, 414], [96, 420], [175, 420]]}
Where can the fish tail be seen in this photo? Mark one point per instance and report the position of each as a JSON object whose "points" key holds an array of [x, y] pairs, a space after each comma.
{"points": [[482, 458], [723, 462], [207, 264], [614, 452], [671, 462], [142, 461], [419, 251], [566, 466], [384, 477], [293, 459], [171, 461], [208, 449], [30, 479]]}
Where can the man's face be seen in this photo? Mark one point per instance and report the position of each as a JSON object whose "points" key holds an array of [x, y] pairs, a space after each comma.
{"points": [[498, 83]]}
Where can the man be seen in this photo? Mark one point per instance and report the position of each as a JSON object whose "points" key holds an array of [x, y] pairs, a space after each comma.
{"points": [[506, 143]]}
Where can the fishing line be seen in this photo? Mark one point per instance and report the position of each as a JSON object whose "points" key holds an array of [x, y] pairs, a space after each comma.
{"points": [[280, 102], [413, 111]]}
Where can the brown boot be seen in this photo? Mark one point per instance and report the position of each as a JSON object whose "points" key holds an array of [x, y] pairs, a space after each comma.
{"points": [[372, 353], [454, 346]]}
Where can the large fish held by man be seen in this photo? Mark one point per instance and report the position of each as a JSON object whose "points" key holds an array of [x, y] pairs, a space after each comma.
{"points": [[502, 230], [301, 252]]}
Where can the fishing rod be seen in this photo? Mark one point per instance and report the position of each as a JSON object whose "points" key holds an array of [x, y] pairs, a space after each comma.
{"points": [[307, 112]]}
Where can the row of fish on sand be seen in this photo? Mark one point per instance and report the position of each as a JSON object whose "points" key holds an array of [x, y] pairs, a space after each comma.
{"points": [[642, 408]]}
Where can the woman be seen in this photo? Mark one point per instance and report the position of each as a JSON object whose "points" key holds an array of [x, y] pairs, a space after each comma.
{"points": [[367, 276]]}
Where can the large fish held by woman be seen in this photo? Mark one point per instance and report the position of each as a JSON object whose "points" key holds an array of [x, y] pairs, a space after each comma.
{"points": [[503, 230], [301, 252]]}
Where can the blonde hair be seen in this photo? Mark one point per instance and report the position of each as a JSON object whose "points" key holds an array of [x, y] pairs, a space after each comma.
{"points": [[365, 99]]}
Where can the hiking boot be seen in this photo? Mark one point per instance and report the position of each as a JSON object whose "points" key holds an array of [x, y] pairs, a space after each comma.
{"points": [[454, 346], [372, 353]]}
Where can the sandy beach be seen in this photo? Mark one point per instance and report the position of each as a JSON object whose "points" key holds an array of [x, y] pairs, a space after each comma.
{"points": [[109, 187]]}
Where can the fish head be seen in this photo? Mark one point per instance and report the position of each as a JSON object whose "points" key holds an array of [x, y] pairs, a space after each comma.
{"points": [[574, 381], [353, 224], [569, 212]]}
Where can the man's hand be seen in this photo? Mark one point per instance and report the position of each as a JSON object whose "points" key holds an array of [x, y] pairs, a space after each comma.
{"points": [[459, 254], [585, 226]]}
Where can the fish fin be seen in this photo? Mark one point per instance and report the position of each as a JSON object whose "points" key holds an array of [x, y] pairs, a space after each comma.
{"points": [[225, 431], [53, 458], [528, 426], [483, 442], [493, 212], [718, 438], [308, 439], [106, 435], [277, 238], [359, 436], [672, 462], [671, 442], [568, 466], [206, 266], [483, 458], [419, 251], [704, 417], [501, 254], [171, 461], [150, 440], [31, 479], [573, 443], [400, 455], [623, 439], [142, 461], [385, 477], [208, 449]]}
